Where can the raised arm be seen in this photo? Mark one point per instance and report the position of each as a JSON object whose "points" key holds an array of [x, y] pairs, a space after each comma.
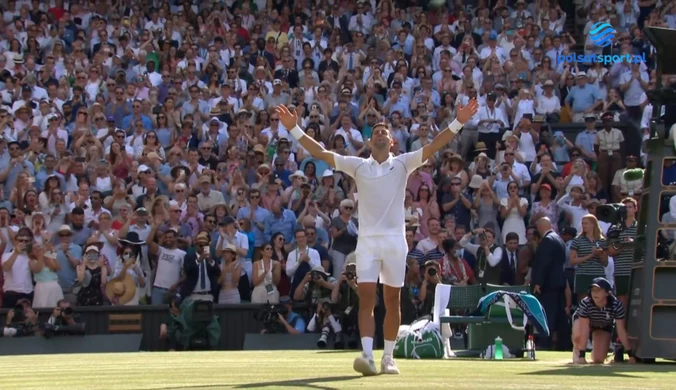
{"points": [[444, 138], [289, 120]]}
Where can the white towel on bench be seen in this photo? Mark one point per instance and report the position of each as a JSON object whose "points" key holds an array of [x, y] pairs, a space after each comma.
{"points": [[442, 295]]}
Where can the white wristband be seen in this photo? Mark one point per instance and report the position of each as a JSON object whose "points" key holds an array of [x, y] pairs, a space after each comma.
{"points": [[297, 132], [455, 126]]}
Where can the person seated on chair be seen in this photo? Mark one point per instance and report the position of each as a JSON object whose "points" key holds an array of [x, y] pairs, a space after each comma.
{"points": [[597, 314]]}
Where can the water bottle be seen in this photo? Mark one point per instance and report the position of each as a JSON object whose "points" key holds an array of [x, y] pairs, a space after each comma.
{"points": [[530, 348], [498, 348]]}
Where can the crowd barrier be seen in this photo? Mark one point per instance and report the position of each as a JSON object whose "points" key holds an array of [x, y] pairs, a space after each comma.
{"points": [[236, 321]]}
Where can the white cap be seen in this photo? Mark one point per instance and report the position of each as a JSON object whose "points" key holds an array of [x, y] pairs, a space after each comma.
{"points": [[327, 173], [142, 168], [92, 248]]}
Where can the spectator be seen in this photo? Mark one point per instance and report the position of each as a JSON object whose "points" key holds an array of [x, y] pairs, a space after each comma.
{"points": [[267, 273]]}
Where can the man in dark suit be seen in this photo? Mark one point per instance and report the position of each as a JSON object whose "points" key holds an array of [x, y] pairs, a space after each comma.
{"points": [[261, 52], [288, 72], [201, 272], [548, 279], [510, 259], [342, 22]]}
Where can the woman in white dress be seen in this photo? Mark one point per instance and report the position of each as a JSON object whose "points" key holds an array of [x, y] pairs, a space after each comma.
{"points": [[267, 273], [513, 209]]}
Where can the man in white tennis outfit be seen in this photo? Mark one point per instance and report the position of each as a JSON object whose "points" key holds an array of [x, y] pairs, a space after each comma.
{"points": [[381, 247]]}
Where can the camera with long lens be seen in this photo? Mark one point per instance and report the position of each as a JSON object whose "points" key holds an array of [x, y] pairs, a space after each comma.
{"points": [[432, 272], [49, 330], [351, 271], [317, 276], [616, 215], [269, 316]]}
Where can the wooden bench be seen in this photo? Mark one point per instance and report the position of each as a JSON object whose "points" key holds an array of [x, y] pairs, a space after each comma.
{"points": [[125, 323]]}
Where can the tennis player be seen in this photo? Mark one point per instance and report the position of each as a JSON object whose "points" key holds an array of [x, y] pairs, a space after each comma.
{"points": [[381, 246]]}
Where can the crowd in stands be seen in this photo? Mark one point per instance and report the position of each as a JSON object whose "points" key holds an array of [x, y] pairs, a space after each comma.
{"points": [[141, 156]]}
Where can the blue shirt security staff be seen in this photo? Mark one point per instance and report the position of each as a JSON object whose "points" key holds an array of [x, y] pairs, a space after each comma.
{"points": [[599, 313]]}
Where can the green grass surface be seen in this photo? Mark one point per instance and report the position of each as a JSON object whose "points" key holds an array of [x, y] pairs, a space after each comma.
{"points": [[315, 370]]}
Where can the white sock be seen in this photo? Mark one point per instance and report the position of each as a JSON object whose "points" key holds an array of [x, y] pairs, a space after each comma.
{"points": [[389, 348], [367, 346]]}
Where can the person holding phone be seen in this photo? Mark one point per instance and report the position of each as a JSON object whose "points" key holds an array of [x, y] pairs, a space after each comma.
{"points": [[18, 283]]}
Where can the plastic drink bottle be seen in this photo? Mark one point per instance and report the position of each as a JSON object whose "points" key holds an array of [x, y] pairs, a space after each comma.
{"points": [[530, 348], [498, 348]]}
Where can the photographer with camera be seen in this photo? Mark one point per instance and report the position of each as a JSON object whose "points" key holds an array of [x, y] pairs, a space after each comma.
{"points": [[431, 277], [316, 285], [488, 255], [21, 320], [62, 322], [18, 284], [282, 314], [346, 302], [62, 314], [622, 251]]}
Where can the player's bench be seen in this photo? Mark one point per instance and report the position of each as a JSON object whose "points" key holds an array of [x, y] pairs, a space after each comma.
{"points": [[483, 329]]}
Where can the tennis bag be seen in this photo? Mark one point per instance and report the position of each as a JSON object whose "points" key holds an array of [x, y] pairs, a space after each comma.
{"points": [[421, 340]]}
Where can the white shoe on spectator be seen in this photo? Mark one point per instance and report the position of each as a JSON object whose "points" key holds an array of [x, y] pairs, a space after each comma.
{"points": [[590, 346], [388, 366], [365, 365]]}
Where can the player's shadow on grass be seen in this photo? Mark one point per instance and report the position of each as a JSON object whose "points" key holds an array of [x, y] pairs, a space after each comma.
{"points": [[313, 383], [607, 370]]}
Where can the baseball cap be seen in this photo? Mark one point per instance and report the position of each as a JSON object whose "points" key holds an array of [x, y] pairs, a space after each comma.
{"points": [[601, 283]]}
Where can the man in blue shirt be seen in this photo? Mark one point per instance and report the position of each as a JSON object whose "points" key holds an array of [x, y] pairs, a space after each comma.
{"points": [[293, 322], [582, 98], [281, 220], [69, 256]]}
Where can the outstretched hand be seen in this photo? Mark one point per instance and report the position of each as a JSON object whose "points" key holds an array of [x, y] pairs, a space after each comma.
{"points": [[288, 118], [467, 112]]}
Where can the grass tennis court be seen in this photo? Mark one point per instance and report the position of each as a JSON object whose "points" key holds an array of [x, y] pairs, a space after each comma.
{"points": [[314, 370]]}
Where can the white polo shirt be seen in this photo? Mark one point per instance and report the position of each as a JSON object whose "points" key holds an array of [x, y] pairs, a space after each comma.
{"points": [[382, 189], [18, 279]]}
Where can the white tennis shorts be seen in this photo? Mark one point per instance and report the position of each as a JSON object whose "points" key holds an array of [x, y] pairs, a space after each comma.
{"points": [[382, 257]]}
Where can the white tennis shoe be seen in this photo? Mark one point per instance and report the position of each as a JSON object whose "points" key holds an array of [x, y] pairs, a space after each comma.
{"points": [[388, 365], [365, 365]]}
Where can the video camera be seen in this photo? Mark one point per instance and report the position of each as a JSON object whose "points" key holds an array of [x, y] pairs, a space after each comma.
{"points": [[269, 316], [616, 215]]}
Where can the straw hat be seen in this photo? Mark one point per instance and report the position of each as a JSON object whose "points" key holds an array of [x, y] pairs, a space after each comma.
{"points": [[480, 147], [203, 238], [299, 174], [476, 182], [122, 290], [456, 157]]}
